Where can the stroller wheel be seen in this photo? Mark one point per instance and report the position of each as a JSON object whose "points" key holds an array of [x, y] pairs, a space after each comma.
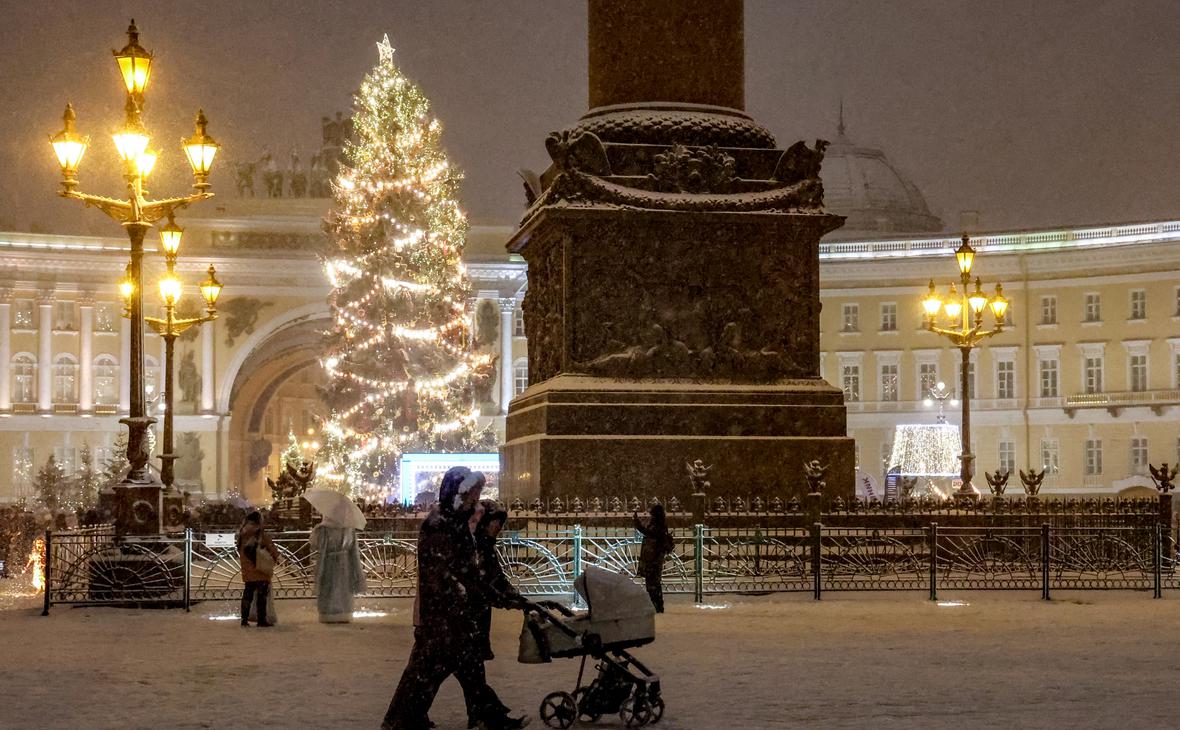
{"points": [[657, 710], [582, 698], [635, 711], [559, 710]]}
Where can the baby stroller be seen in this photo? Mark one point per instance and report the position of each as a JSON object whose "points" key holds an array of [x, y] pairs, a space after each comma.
{"points": [[620, 616]]}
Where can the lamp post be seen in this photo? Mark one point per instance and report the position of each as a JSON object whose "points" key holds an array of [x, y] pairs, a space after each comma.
{"points": [[964, 328], [137, 512], [170, 327]]}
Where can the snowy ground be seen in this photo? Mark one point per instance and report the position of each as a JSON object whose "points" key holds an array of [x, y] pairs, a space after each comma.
{"points": [[853, 660]]}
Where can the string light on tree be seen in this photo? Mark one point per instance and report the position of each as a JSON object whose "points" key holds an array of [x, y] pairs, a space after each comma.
{"points": [[401, 374]]}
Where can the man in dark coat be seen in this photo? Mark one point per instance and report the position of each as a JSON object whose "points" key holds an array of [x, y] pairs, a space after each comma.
{"points": [[446, 637]]}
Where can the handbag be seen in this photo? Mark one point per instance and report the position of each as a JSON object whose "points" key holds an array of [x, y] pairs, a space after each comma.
{"points": [[265, 562]]}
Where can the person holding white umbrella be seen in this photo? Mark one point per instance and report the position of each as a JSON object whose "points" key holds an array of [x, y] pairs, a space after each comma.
{"points": [[338, 572]]}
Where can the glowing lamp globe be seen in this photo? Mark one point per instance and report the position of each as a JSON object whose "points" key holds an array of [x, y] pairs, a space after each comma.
{"points": [[211, 289], [127, 286], [965, 255], [200, 149], [135, 62], [130, 142], [69, 147], [170, 289], [931, 303], [977, 299], [146, 162], [953, 305], [170, 236], [999, 304]]}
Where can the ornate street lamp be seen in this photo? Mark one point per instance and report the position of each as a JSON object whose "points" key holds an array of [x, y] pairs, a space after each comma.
{"points": [[137, 511], [964, 312], [170, 327]]}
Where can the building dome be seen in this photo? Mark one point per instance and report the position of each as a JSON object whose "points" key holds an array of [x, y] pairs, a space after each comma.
{"points": [[861, 184]]}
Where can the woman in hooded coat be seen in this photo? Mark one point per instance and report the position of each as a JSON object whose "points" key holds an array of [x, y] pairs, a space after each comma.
{"points": [[256, 573], [338, 571], [657, 543]]}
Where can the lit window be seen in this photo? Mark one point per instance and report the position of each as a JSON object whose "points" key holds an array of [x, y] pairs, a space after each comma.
{"points": [[851, 382], [24, 378], [1007, 456], [1138, 372], [1139, 455], [889, 317], [518, 322], [65, 379], [927, 378], [1093, 457], [1050, 456], [520, 376], [1006, 379], [1093, 311], [104, 317], [889, 381], [22, 318], [1048, 377], [66, 458], [851, 318], [1138, 304], [106, 373], [1049, 310], [1092, 374], [64, 316], [23, 471]]}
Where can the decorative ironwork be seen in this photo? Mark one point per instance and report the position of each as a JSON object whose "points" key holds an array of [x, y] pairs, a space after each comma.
{"points": [[93, 566]]}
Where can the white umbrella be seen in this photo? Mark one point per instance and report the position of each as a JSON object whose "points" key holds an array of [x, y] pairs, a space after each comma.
{"points": [[338, 510]]}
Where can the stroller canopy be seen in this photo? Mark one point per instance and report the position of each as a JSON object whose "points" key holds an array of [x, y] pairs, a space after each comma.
{"points": [[612, 596]]}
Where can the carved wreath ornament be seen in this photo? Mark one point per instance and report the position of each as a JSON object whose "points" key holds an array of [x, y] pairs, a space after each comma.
{"points": [[693, 170]]}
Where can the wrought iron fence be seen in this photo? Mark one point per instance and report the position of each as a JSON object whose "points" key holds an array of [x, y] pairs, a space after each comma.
{"points": [[93, 566]]}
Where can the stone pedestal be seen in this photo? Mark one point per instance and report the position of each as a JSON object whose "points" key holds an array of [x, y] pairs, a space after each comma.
{"points": [[657, 337]]}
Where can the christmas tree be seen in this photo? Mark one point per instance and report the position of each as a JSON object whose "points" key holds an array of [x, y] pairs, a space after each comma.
{"points": [[87, 480], [401, 371], [293, 454], [50, 486], [116, 465]]}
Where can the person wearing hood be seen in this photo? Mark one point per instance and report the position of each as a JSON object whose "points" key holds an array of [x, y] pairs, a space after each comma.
{"points": [[445, 632], [338, 571], [257, 555]]}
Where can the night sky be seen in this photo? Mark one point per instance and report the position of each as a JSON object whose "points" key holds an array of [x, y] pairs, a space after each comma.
{"points": [[1034, 113]]}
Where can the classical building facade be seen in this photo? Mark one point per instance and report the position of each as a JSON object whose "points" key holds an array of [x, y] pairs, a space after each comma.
{"points": [[1085, 380]]}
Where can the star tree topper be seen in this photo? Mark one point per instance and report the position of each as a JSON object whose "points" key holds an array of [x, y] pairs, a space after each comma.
{"points": [[384, 50]]}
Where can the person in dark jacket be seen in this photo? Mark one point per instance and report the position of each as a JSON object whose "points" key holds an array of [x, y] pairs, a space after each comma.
{"points": [[445, 635], [251, 541], [497, 591], [657, 544]]}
